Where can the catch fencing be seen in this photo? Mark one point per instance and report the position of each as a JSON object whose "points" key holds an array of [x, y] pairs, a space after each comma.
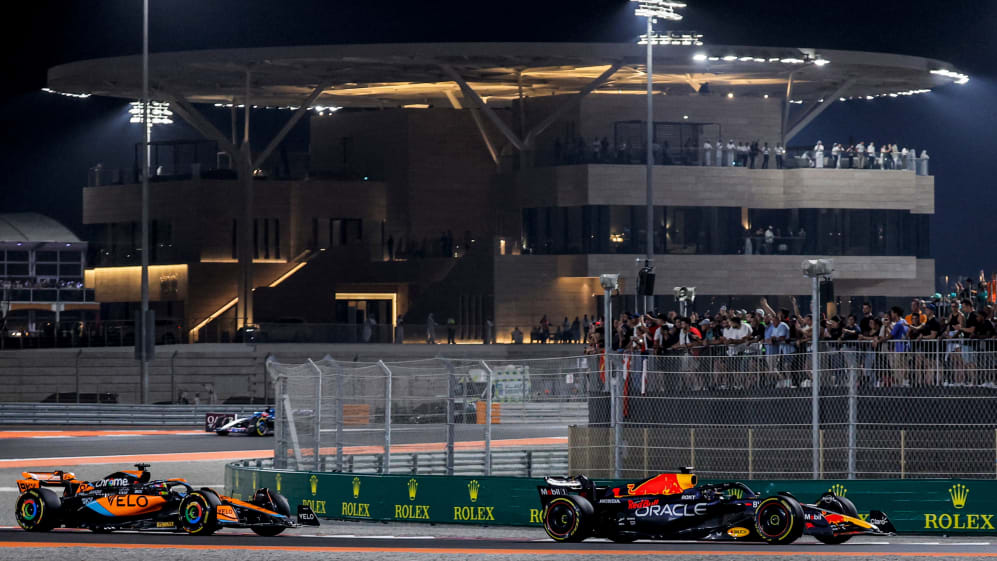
{"points": [[335, 416], [881, 410]]}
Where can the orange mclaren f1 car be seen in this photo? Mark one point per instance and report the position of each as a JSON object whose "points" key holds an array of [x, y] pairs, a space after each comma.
{"points": [[130, 500]]}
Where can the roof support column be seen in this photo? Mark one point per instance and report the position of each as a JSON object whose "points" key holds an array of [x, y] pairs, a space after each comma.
{"points": [[815, 111], [298, 114], [488, 111], [571, 103], [479, 122], [785, 106]]}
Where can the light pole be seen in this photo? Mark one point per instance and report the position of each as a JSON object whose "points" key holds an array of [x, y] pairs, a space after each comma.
{"points": [[815, 269], [144, 327], [652, 10]]}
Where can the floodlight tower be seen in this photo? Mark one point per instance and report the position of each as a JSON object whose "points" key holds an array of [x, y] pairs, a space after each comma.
{"points": [[653, 10]]}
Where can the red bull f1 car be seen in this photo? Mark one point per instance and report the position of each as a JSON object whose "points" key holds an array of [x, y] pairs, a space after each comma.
{"points": [[257, 424], [672, 506], [131, 500]]}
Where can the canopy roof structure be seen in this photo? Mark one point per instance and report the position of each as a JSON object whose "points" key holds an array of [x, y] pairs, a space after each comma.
{"points": [[380, 75], [31, 227]]}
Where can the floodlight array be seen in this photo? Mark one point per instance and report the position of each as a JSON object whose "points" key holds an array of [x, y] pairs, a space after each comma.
{"points": [[159, 113], [674, 38], [659, 9]]}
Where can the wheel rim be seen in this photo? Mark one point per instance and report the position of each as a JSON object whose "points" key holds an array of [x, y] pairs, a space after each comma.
{"points": [[773, 520], [194, 513], [561, 519], [29, 510]]}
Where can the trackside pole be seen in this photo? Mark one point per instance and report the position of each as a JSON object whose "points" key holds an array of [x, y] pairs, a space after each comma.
{"points": [[815, 382], [387, 418], [488, 419], [317, 417], [339, 417], [852, 420], [451, 436]]}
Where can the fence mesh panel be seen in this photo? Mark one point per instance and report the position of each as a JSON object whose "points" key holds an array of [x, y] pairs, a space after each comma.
{"points": [[893, 410]]}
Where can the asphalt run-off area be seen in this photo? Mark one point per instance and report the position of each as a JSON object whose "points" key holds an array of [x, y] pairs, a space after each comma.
{"points": [[200, 458]]}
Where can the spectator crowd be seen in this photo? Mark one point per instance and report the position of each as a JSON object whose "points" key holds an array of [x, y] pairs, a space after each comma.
{"points": [[754, 154], [942, 340]]}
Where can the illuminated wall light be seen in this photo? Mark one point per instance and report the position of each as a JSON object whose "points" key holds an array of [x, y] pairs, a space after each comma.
{"points": [[745, 58], [766, 96], [775, 59], [730, 58], [699, 57], [714, 58], [822, 62], [759, 59], [730, 95], [685, 117]]}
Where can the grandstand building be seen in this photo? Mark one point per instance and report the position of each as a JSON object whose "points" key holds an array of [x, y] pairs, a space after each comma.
{"points": [[497, 181]]}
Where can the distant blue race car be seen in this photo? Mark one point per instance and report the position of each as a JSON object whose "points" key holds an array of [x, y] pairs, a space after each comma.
{"points": [[257, 424]]}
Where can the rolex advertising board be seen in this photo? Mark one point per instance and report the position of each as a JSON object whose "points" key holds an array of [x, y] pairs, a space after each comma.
{"points": [[915, 506]]}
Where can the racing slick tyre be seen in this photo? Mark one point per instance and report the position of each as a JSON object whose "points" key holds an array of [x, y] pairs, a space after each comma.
{"points": [[279, 505], [779, 520], [840, 505], [37, 510], [261, 428], [568, 518], [197, 513]]}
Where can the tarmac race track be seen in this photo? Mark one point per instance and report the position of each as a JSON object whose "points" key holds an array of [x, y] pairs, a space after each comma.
{"points": [[200, 458], [309, 544]]}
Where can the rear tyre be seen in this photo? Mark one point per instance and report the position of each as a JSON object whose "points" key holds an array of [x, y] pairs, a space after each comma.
{"points": [[276, 502], [262, 429], [37, 510], [841, 505], [568, 518], [197, 513], [779, 520]]}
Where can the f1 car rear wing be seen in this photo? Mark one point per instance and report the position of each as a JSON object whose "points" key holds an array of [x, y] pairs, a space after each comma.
{"points": [[49, 477]]}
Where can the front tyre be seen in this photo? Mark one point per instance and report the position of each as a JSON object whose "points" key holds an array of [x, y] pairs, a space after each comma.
{"points": [[197, 513], [276, 502], [841, 505], [37, 510], [779, 520], [568, 518]]}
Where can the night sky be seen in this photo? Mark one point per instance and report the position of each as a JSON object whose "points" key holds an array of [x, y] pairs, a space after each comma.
{"points": [[50, 141]]}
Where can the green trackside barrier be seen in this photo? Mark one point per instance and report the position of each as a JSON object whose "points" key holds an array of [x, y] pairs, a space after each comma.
{"points": [[921, 506]]}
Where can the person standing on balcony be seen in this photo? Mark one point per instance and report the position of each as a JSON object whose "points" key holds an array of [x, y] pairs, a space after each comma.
{"points": [[731, 151], [836, 155], [884, 156], [430, 330], [860, 154], [819, 155], [720, 151], [451, 331], [707, 153], [765, 156], [753, 152], [780, 156], [870, 155]]}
